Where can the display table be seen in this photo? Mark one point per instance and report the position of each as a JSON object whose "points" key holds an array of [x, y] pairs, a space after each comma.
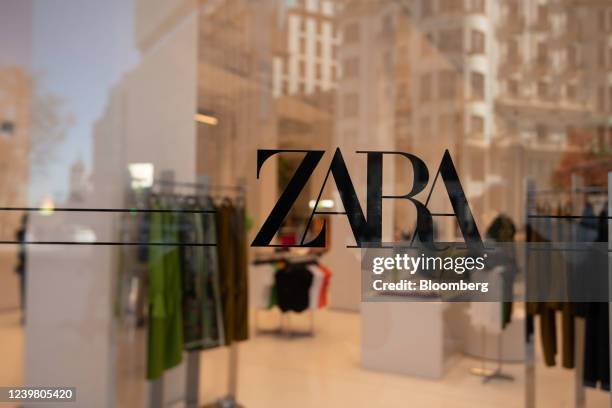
{"points": [[411, 338]]}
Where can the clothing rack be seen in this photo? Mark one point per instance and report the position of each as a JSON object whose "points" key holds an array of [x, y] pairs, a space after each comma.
{"points": [[165, 188], [198, 186], [284, 327], [579, 331], [497, 373]]}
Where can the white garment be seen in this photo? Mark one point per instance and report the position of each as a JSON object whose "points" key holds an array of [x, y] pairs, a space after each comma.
{"points": [[261, 281], [315, 287]]}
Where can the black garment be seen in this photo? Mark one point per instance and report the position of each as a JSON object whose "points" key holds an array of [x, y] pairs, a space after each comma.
{"points": [[20, 269], [233, 272], [292, 287], [597, 335], [597, 346], [502, 229], [548, 332], [143, 237], [544, 280]]}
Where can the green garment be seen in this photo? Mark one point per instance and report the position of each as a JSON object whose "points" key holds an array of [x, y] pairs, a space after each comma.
{"points": [[165, 337]]}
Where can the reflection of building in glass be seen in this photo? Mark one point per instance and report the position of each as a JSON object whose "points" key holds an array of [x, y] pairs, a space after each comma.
{"points": [[305, 74], [234, 65], [554, 60], [501, 85], [15, 100], [308, 63]]}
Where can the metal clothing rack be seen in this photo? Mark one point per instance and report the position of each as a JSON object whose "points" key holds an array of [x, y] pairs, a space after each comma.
{"points": [[579, 325], [284, 327], [192, 386], [497, 373]]}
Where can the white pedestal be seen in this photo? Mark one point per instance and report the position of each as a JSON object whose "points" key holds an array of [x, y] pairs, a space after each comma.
{"points": [[411, 338]]}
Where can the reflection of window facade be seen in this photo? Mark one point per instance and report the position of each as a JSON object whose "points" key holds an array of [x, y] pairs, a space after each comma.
{"points": [[477, 42], [570, 92], [351, 33], [350, 67], [542, 19], [513, 56], [447, 84], [426, 126], [451, 6], [306, 57], [541, 133], [477, 125], [513, 88], [477, 81], [451, 40], [446, 124], [425, 87], [478, 6], [427, 44], [542, 53], [542, 89], [572, 56], [427, 8], [351, 105]]}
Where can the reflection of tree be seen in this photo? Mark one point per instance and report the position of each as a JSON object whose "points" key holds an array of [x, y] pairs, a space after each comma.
{"points": [[589, 155], [50, 125]]}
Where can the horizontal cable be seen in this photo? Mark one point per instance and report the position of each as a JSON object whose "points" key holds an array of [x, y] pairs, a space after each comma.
{"points": [[108, 243], [568, 216], [108, 210]]}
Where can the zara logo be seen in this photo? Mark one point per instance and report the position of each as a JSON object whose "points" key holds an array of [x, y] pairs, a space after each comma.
{"points": [[367, 228]]}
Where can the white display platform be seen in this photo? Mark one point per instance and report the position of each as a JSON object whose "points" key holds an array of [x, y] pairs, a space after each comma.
{"points": [[411, 338], [423, 338]]}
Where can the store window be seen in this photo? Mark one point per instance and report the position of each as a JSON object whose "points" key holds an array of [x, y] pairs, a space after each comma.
{"points": [[174, 114]]}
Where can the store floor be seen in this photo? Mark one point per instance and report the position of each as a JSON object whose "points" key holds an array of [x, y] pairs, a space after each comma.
{"points": [[323, 371]]}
